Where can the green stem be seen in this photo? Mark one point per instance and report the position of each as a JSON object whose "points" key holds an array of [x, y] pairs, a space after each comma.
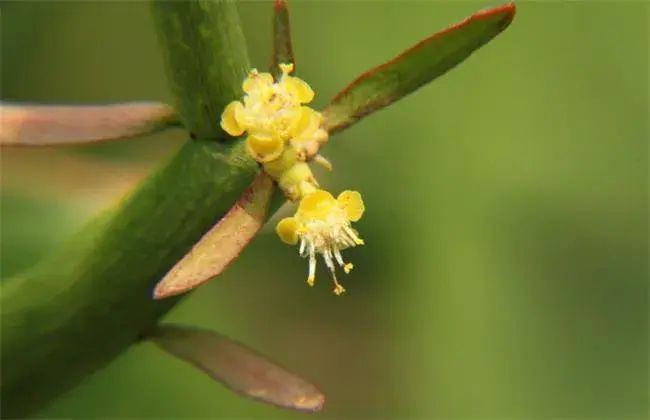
{"points": [[78, 310], [203, 76]]}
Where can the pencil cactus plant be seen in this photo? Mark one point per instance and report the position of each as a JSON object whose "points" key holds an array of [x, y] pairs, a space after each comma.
{"points": [[248, 132]]}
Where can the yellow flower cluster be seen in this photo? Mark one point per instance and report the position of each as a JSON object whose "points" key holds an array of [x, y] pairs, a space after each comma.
{"points": [[284, 134]]}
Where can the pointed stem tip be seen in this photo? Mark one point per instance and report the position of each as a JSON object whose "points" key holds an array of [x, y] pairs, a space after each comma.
{"points": [[282, 47]]}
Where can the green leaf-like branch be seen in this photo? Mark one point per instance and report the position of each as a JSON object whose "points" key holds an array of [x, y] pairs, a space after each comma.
{"points": [[415, 67], [240, 368], [58, 125], [222, 244]]}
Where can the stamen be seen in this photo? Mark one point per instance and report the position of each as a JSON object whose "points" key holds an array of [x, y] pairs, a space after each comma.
{"points": [[339, 257], [312, 250], [311, 279], [338, 288], [354, 236], [347, 242], [348, 267], [327, 256]]}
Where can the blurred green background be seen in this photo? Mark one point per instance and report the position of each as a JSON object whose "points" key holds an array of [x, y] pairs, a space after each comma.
{"points": [[506, 268]]}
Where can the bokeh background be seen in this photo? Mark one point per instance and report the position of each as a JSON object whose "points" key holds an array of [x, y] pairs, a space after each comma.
{"points": [[506, 267]]}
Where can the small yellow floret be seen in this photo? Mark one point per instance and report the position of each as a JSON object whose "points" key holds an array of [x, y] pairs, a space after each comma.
{"points": [[322, 226], [229, 121], [269, 108], [257, 81], [298, 87], [264, 149], [308, 122]]}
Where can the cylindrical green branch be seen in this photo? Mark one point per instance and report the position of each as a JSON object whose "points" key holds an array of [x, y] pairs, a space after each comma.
{"points": [[90, 300], [202, 78]]}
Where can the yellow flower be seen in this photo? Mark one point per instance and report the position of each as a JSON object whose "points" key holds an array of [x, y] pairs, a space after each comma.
{"points": [[269, 112], [322, 225], [264, 148], [306, 138]]}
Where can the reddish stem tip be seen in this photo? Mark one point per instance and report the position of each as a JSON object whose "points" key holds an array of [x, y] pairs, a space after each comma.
{"points": [[510, 9], [280, 4]]}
